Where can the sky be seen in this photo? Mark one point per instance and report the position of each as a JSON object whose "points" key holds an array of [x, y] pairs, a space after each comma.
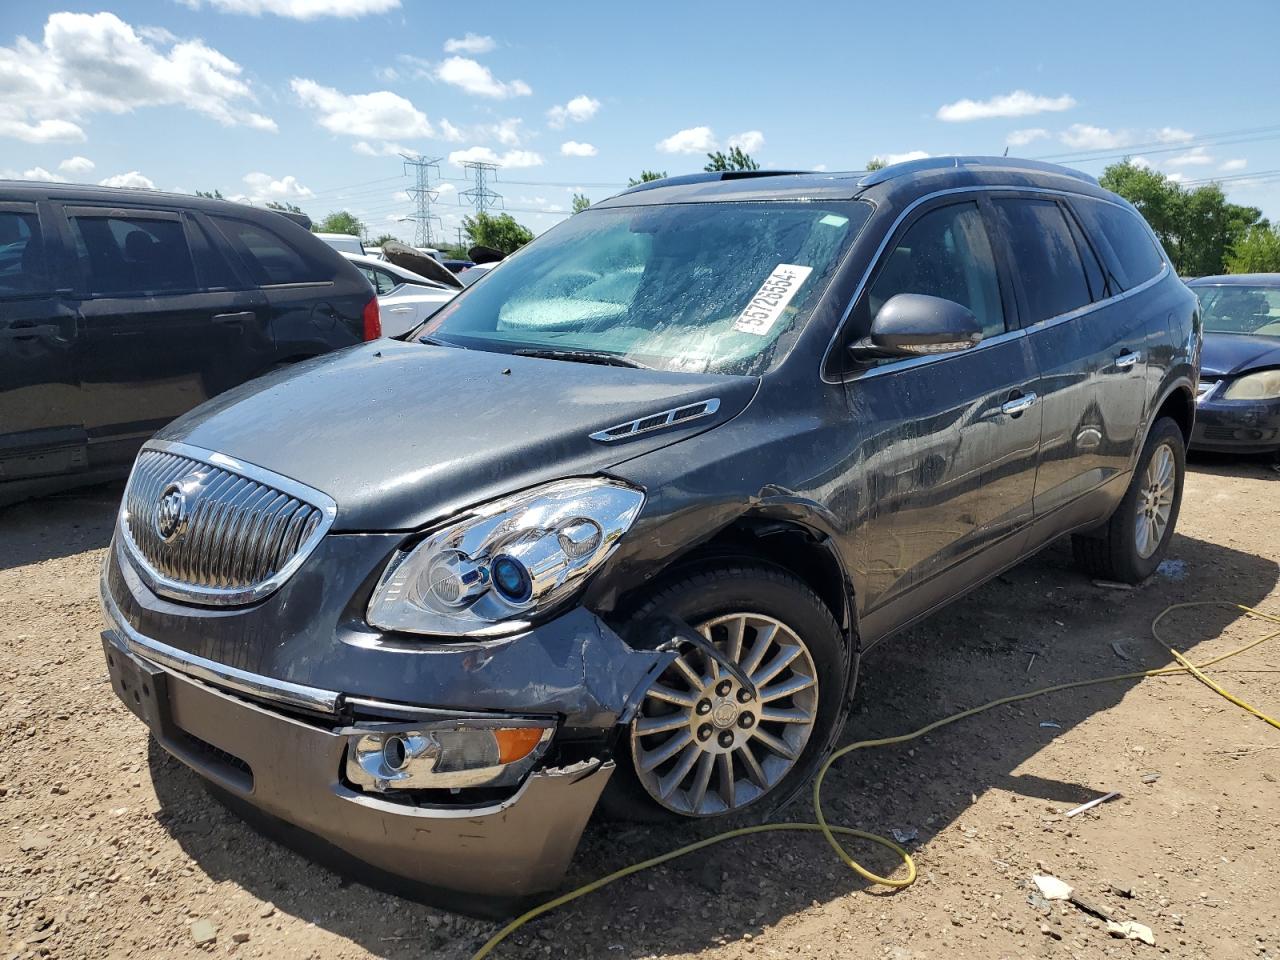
{"points": [[311, 102]]}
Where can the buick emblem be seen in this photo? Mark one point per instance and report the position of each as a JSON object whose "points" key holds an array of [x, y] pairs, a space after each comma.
{"points": [[171, 513]]}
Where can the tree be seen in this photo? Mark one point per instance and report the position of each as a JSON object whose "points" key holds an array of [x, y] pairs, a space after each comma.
{"points": [[211, 194], [283, 207], [340, 221], [500, 232], [580, 202], [1258, 251], [647, 176], [876, 163], [383, 238], [1197, 227], [735, 159]]}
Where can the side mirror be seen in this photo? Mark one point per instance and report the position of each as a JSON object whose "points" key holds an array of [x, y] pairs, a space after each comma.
{"points": [[915, 324]]}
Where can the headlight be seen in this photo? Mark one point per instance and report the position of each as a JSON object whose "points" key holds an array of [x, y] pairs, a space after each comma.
{"points": [[1264, 385], [507, 562]]}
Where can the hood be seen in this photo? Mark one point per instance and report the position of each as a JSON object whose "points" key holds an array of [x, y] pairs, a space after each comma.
{"points": [[1228, 353], [400, 434]]}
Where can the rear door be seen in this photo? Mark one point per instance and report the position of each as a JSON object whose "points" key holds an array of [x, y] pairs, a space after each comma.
{"points": [[1082, 348], [41, 428], [161, 330], [950, 468]]}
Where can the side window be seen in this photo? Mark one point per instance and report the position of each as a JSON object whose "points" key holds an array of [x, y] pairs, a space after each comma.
{"points": [[1137, 259], [269, 257], [125, 255], [1093, 271], [22, 265], [946, 253], [384, 282], [1045, 257]]}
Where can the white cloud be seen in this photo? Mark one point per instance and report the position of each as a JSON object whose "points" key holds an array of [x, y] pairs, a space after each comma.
{"points": [[572, 148], [263, 188], [381, 115], [35, 173], [1084, 136], [750, 140], [506, 132], [385, 149], [1020, 103], [76, 165], [472, 43], [1171, 135], [1234, 166], [1020, 138], [96, 63], [476, 79], [451, 133], [690, 140], [512, 159], [1176, 177], [580, 109], [1195, 157], [131, 179], [1142, 163], [299, 9], [892, 158]]}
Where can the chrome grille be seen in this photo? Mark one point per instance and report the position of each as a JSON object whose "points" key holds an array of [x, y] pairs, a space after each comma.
{"points": [[205, 528]]}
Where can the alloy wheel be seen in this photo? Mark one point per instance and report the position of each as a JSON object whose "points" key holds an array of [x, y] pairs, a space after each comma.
{"points": [[1155, 500], [701, 743]]}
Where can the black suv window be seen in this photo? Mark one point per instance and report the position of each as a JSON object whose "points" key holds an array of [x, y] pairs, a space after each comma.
{"points": [[133, 254], [1045, 257], [269, 257], [1136, 257], [946, 253], [22, 266]]}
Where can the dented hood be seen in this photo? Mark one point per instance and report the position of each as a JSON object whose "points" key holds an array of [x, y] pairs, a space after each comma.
{"points": [[401, 434]]}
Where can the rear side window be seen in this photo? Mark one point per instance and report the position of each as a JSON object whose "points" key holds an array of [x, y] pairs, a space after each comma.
{"points": [[269, 257], [1045, 257], [381, 280], [22, 265], [1136, 257], [124, 255], [946, 253]]}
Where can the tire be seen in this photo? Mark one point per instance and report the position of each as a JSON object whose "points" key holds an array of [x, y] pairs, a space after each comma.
{"points": [[1122, 553], [717, 596]]}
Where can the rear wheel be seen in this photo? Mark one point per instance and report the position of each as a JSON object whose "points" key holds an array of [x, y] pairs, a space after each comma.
{"points": [[701, 744], [1136, 538]]}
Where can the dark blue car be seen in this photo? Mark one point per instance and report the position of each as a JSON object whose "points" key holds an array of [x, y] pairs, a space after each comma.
{"points": [[1238, 409]]}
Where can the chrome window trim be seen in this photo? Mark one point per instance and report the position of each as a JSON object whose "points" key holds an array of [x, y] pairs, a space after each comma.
{"points": [[220, 675], [1035, 327], [908, 363], [217, 596]]}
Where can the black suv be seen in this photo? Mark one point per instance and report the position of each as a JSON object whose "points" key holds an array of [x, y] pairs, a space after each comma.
{"points": [[121, 309], [622, 518]]}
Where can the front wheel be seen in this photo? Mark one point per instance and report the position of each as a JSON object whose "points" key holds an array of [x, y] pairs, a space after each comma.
{"points": [[1136, 538], [701, 744]]}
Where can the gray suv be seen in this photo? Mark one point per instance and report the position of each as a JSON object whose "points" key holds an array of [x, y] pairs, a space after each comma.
{"points": [[617, 524]]}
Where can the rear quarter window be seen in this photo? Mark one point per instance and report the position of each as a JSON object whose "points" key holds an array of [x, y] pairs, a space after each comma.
{"points": [[269, 257], [1135, 255]]}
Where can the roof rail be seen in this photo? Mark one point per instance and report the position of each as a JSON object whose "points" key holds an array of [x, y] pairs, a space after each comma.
{"points": [[954, 162], [708, 177]]}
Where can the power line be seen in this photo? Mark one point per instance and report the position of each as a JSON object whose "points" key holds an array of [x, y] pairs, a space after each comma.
{"points": [[423, 196], [480, 194]]}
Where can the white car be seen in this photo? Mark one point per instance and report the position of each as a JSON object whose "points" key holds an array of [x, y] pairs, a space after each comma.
{"points": [[343, 242], [405, 299]]}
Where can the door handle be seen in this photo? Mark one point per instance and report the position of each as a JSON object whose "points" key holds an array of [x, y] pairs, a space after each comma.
{"points": [[30, 331], [1127, 360], [243, 317], [1017, 405]]}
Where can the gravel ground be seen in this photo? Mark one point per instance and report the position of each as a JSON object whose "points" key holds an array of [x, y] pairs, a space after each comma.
{"points": [[109, 849]]}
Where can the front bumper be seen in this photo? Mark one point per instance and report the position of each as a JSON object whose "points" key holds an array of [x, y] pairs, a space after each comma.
{"points": [[1237, 426], [289, 768]]}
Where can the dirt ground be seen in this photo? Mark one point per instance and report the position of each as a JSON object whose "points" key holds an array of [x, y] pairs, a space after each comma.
{"points": [[109, 849]]}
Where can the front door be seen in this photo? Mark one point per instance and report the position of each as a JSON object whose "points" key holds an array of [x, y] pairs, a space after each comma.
{"points": [[949, 466]]}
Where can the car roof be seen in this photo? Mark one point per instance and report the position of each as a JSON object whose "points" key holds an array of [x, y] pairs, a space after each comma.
{"points": [[339, 236], [896, 180], [395, 269], [34, 190], [1238, 280]]}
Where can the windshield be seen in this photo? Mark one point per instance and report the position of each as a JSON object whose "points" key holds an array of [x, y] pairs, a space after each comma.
{"points": [[700, 287], [1240, 309]]}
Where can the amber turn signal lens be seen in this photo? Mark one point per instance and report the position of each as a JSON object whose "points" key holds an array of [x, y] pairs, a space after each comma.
{"points": [[516, 743]]}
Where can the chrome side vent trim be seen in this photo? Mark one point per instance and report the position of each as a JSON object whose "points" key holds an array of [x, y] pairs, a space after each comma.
{"points": [[205, 528], [658, 421]]}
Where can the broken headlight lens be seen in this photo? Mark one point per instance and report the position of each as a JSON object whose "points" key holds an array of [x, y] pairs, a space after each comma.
{"points": [[496, 569]]}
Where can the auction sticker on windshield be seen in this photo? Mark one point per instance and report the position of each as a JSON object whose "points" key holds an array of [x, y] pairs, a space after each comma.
{"points": [[767, 303]]}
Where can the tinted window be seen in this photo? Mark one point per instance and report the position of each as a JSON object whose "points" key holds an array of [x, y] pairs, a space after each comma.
{"points": [[382, 281], [946, 253], [1136, 256], [1093, 271], [1044, 257], [22, 267], [269, 257], [133, 255]]}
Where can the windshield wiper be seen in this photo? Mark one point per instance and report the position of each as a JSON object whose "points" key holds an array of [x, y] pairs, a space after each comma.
{"points": [[582, 356], [431, 341]]}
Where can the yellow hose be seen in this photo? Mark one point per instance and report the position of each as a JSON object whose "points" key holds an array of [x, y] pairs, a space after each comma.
{"points": [[831, 831]]}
